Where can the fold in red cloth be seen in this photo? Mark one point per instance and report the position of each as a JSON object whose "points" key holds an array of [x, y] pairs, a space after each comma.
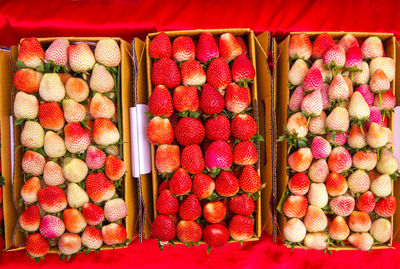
{"points": [[128, 19]]}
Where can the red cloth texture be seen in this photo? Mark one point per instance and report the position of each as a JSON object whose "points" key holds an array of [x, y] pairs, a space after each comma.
{"points": [[136, 18]]}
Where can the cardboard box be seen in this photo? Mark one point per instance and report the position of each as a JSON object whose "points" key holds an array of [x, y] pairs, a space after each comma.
{"points": [[262, 94], [389, 44], [14, 238]]}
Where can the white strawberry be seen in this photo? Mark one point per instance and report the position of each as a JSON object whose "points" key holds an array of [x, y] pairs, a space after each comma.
{"points": [[386, 64], [297, 72], [317, 195], [76, 196], [107, 52], [73, 111], [338, 119], [294, 230], [381, 230], [32, 135], [362, 76], [26, 106], [51, 88], [382, 186], [315, 219], [53, 174], [388, 163], [317, 124], [358, 108], [101, 80], [74, 170], [57, 52], [54, 145], [359, 181]]}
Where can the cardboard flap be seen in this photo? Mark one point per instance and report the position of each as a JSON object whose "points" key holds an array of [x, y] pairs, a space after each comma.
{"points": [[266, 127]]}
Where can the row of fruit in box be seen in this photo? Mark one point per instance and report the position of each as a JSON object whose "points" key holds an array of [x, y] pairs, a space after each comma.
{"points": [[202, 124], [340, 159], [67, 103]]}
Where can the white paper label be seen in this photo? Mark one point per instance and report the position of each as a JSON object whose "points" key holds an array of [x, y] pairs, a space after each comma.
{"points": [[134, 143], [144, 145]]}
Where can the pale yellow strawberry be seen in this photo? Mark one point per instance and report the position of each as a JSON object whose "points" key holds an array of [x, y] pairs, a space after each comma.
{"points": [[315, 219], [318, 241], [358, 181], [77, 89], [297, 125], [382, 186], [372, 47], [297, 72], [73, 111], [294, 230], [54, 145], [76, 196], [384, 63], [317, 124], [74, 170], [388, 163], [101, 107], [53, 174], [101, 80], [381, 230], [107, 52], [358, 109], [363, 241], [376, 137], [32, 135], [361, 77], [338, 119], [51, 88], [317, 195], [26, 106]]}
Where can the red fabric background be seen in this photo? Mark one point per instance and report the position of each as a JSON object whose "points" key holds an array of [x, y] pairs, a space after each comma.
{"points": [[128, 19]]}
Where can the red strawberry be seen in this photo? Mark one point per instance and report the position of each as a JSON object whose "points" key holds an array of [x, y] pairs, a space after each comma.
{"points": [[366, 202], [36, 245], [218, 74], [214, 212], [99, 188], [237, 98], [249, 180], [241, 228], [166, 72], [218, 155], [203, 186], [336, 184], [243, 127], [335, 57], [366, 93], [245, 153], [167, 158], [242, 205], [338, 229], [27, 80], [76, 139], [51, 116], [313, 80], [348, 41], [215, 235], [229, 47], [242, 44], [300, 160], [386, 102], [299, 184], [295, 206], [300, 46], [211, 101], [160, 102], [74, 220], [322, 44], [339, 160], [192, 73], [190, 208], [218, 128], [353, 58], [192, 159], [113, 234], [180, 183], [160, 46], [188, 231], [114, 168], [207, 48], [242, 69], [166, 203], [52, 199], [93, 214], [386, 207], [186, 98], [95, 158], [189, 131], [163, 228], [359, 222], [226, 184], [57, 52], [183, 49], [30, 52], [160, 131], [30, 219], [92, 238], [80, 57]]}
